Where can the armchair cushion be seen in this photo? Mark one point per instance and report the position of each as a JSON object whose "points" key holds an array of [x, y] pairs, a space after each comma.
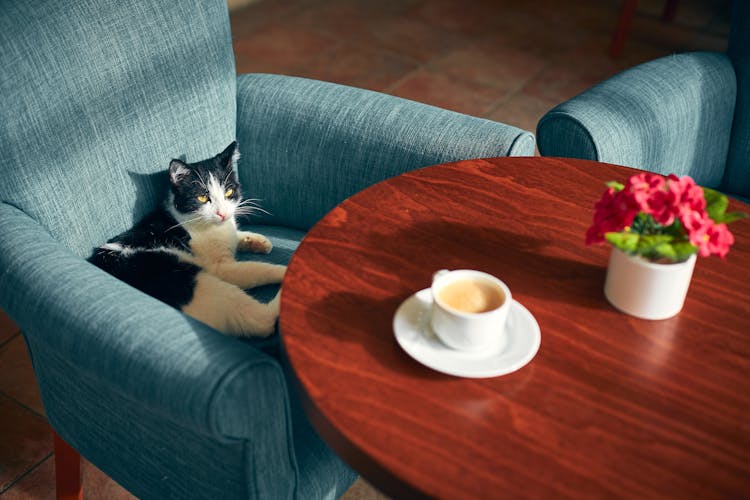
{"points": [[672, 114]]}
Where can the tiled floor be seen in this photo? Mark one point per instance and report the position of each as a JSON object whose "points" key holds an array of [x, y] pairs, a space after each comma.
{"points": [[505, 60]]}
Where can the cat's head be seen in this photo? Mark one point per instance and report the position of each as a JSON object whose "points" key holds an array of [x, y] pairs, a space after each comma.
{"points": [[207, 191]]}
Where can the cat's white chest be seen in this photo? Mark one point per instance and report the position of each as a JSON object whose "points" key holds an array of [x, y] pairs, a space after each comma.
{"points": [[215, 242]]}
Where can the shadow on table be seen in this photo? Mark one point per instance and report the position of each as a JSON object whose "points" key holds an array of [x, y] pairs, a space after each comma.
{"points": [[537, 270], [563, 270]]}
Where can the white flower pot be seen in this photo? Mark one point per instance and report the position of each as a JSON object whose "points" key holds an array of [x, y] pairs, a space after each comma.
{"points": [[644, 289]]}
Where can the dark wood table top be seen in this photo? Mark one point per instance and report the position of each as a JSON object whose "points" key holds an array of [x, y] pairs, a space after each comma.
{"points": [[611, 406]]}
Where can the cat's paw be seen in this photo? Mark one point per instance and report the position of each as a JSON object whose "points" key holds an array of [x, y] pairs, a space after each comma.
{"points": [[252, 242], [278, 273], [265, 328]]}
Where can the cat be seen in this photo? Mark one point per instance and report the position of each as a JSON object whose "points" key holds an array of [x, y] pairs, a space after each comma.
{"points": [[183, 253]]}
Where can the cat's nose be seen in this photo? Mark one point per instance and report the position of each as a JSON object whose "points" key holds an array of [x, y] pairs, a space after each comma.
{"points": [[221, 214]]}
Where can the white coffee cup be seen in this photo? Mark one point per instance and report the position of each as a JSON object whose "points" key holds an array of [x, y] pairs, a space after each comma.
{"points": [[469, 309]]}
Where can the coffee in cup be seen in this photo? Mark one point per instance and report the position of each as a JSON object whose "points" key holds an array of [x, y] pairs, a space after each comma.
{"points": [[470, 309], [471, 295]]}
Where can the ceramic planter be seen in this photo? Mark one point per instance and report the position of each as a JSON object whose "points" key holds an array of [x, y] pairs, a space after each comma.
{"points": [[645, 289]]}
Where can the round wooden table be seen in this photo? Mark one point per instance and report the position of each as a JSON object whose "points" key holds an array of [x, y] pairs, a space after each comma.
{"points": [[610, 406]]}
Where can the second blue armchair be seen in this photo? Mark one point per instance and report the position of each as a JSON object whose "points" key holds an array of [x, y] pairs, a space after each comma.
{"points": [[686, 113]]}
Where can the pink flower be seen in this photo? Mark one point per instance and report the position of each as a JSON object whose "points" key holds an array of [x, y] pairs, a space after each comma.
{"points": [[662, 207], [697, 226], [719, 240], [642, 188], [659, 203], [688, 196]]}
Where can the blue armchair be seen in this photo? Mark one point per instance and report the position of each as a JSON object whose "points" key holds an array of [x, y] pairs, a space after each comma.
{"points": [[687, 113], [96, 97]]}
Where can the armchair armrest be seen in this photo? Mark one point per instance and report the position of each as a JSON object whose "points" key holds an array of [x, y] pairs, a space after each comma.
{"points": [[672, 114], [307, 145], [143, 349]]}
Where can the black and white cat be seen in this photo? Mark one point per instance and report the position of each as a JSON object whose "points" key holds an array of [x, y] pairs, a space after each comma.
{"points": [[183, 253]]}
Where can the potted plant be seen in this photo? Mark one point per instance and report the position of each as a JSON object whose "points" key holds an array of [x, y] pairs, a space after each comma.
{"points": [[657, 226]]}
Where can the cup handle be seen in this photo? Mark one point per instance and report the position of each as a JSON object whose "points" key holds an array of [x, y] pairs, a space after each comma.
{"points": [[440, 273]]}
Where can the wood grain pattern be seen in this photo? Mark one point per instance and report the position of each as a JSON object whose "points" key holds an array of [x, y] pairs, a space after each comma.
{"points": [[611, 406]]}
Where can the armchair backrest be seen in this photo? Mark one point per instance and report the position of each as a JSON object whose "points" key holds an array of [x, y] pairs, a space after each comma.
{"points": [[737, 173], [95, 98]]}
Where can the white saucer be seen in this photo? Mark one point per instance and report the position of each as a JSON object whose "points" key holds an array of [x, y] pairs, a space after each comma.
{"points": [[411, 325]]}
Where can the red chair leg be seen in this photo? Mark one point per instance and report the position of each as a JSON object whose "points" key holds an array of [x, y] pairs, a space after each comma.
{"points": [[623, 27], [68, 482]]}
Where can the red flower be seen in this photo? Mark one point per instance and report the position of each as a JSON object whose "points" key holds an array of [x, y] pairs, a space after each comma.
{"points": [[642, 188], [615, 211], [719, 240], [661, 202], [697, 225], [662, 207], [688, 196]]}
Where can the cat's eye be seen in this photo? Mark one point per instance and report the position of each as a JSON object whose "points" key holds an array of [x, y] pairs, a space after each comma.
{"points": [[229, 193], [203, 198]]}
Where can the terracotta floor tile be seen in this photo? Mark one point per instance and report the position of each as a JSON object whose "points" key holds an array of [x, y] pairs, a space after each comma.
{"points": [[408, 36], [277, 45], [18, 380], [708, 42], [39, 484], [359, 67], [559, 83], [7, 328], [96, 484], [670, 37], [527, 32], [441, 90], [460, 16], [504, 68], [25, 440], [256, 15], [522, 111], [341, 19], [580, 17], [362, 490]]}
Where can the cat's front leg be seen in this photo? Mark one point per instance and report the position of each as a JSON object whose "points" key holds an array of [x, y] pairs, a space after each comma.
{"points": [[248, 274], [253, 242]]}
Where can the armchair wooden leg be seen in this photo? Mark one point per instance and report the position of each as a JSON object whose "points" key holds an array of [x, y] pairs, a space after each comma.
{"points": [[68, 482], [623, 27]]}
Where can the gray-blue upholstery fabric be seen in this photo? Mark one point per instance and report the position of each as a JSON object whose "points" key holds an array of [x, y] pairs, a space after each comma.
{"points": [[737, 175], [344, 139], [95, 98], [686, 113]]}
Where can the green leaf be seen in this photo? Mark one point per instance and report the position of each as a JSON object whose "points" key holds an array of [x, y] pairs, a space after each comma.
{"points": [[627, 242], [730, 217], [716, 207], [716, 203], [683, 250], [648, 243], [664, 251], [615, 185]]}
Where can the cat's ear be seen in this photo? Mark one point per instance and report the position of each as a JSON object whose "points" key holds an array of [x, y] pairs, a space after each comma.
{"points": [[177, 171], [229, 157]]}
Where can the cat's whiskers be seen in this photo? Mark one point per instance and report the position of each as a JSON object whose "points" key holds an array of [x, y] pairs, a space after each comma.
{"points": [[249, 206], [185, 222]]}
